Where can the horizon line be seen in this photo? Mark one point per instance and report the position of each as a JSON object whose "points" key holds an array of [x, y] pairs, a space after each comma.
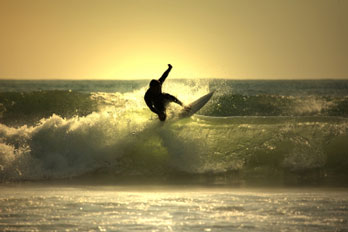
{"points": [[183, 78]]}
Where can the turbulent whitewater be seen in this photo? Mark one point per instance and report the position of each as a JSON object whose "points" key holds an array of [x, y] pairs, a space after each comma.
{"points": [[251, 132]]}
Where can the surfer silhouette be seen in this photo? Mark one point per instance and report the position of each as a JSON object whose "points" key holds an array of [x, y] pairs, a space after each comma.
{"points": [[156, 100]]}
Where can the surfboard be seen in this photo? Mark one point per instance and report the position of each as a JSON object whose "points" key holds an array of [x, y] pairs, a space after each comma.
{"points": [[195, 106]]}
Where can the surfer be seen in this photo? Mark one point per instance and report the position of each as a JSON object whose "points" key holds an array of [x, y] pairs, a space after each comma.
{"points": [[156, 100]]}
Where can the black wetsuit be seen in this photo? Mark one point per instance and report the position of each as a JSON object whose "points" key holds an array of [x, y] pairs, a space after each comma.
{"points": [[156, 100]]}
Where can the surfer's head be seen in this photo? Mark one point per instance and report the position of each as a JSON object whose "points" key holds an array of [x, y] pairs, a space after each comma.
{"points": [[155, 85]]}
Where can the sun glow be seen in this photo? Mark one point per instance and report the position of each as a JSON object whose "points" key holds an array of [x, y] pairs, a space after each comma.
{"points": [[134, 39], [151, 65]]}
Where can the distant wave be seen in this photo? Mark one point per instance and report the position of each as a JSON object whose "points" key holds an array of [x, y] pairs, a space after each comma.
{"points": [[276, 105], [20, 108]]}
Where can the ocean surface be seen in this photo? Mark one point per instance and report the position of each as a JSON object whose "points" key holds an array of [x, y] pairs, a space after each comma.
{"points": [[89, 155], [158, 208]]}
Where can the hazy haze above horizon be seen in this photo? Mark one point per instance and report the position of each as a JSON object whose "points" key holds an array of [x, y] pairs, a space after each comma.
{"points": [[136, 39]]}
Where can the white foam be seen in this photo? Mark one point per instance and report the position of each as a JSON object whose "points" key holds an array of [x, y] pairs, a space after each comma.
{"points": [[59, 147]]}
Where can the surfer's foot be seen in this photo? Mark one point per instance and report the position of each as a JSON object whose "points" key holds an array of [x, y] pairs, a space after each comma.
{"points": [[162, 116]]}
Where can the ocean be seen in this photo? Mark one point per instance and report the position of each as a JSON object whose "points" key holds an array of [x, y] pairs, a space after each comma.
{"points": [[89, 155]]}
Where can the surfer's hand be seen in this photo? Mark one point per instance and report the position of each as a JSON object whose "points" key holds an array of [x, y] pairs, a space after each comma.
{"points": [[170, 66], [187, 108]]}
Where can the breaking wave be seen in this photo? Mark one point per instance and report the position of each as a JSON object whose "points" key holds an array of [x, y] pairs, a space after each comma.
{"points": [[62, 134]]}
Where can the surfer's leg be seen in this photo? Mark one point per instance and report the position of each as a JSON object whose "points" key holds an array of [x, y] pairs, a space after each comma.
{"points": [[162, 116], [161, 109]]}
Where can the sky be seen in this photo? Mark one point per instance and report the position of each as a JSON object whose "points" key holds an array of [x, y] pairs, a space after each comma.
{"points": [[136, 39]]}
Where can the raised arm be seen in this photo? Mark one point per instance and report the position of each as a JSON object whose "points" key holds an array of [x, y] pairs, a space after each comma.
{"points": [[165, 74]]}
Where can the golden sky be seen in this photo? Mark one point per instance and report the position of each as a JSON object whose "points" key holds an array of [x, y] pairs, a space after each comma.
{"points": [[136, 39]]}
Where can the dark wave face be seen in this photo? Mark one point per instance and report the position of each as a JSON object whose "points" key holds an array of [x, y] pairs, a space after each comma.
{"points": [[19, 108], [266, 132], [275, 105]]}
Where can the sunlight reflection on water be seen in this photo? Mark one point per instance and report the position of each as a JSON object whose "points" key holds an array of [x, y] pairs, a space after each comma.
{"points": [[45, 208]]}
